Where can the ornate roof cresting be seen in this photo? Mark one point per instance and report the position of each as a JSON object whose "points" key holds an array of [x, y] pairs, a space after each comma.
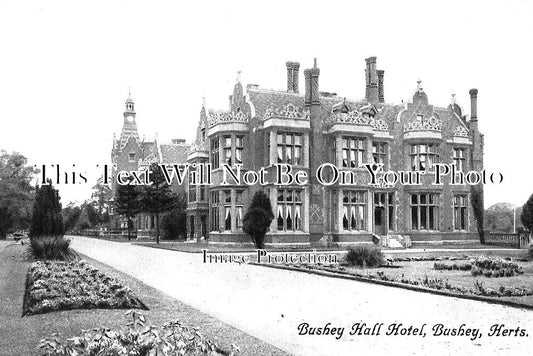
{"points": [[355, 117], [216, 117], [289, 111], [460, 131], [421, 124]]}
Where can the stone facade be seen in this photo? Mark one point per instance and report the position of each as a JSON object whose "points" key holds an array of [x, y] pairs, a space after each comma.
{"points": [[264, 127]]}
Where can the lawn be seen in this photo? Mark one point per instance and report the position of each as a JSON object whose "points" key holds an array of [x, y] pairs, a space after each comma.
{"points": [[21, 335], [418, 270]]}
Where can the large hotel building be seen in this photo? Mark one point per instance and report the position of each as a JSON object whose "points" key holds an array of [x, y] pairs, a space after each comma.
{"points": [[306, 128]]}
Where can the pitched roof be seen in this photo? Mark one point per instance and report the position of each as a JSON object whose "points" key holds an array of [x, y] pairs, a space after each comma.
{"points": [[174, 153]]}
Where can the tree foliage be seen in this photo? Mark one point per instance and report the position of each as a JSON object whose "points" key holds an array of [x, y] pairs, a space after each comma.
{"points": [[71, 214], [527, 214], [6, 221], [502, 217], [258, 218], [477, 205], [47, 219], [174, 222], [157, 198], [16, 191], [128, 203]]}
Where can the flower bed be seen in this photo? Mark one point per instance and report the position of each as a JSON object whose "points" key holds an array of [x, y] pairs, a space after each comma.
{"points": [[173, 338], [58, 285]]}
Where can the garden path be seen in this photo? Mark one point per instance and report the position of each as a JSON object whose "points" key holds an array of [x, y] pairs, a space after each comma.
{"points": [[270, 304]]}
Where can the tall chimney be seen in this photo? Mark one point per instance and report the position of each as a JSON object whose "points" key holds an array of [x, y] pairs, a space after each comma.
{"points": [[311, 85], [381, 90], [473, 104], [371, 81], [293, 69]]}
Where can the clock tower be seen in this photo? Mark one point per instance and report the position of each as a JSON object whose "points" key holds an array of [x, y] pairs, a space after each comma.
{"points": [[129, 113], [129, 126]]}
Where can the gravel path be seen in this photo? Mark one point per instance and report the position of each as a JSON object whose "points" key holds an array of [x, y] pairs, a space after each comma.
{"points": [[270, 304]]}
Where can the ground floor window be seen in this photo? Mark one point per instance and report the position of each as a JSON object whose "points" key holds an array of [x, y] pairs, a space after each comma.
{"points": [[214, 211], [460, 212], [191, 224], [424, 211], [289, 213], [353, 210]]}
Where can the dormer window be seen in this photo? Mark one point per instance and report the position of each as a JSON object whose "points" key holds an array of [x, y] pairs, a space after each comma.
{"points": [[132, 157]]}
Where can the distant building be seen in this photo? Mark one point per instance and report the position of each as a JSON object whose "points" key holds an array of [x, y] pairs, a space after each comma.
{"points": [[130, 153], [263, 127]]}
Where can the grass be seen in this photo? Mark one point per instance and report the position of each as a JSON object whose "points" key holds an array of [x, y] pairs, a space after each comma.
{"points": [[20, 336], [458, 279]]}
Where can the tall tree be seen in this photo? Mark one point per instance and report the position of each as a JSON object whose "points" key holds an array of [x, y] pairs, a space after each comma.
{"points": [[101, 195], [6, 221], [258, 218], [157, 198], [477, 205], [71, 214], [174, 222], [527, 214], [16, 191], [127, 203], [47, 219]]}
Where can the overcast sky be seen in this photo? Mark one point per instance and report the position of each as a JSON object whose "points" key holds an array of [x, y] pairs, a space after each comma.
{"points": [[65, 68]]}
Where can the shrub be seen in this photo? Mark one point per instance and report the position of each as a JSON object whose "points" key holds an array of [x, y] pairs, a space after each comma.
{"points": [[173, 338], [530, 252], [456, 267], [51, 248], [364, 256]]}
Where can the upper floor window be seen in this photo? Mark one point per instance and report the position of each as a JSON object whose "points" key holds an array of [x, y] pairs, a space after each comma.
{"points": [[227, 150], [459, 158], [379, 152], [215, 163], [459, 212], [192, 193], [353, 152], [353, 210], [423, 156], [289, 213], [424, 211], [289, 148], [239, 148], [132, 157]]}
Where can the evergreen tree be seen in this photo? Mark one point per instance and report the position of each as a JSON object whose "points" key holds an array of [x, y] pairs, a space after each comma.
{"points": [[258, 218], [174, 222], [157, 197], [6, 222], [527, 214], [47, 219], [127, 203]]}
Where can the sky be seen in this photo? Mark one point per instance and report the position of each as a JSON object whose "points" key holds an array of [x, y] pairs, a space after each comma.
{"points": [[66, 68]]}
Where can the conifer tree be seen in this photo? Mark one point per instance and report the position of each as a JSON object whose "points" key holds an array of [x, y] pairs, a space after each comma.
{"points": [[258, 218], [127, 203], [527, 214], [47, 219], [157, 198]]}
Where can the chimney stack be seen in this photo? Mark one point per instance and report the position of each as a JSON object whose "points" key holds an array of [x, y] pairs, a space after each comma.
{"points": [[473, 104], [381, 90], [293, 69], [371, 81], [311, 85]]}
